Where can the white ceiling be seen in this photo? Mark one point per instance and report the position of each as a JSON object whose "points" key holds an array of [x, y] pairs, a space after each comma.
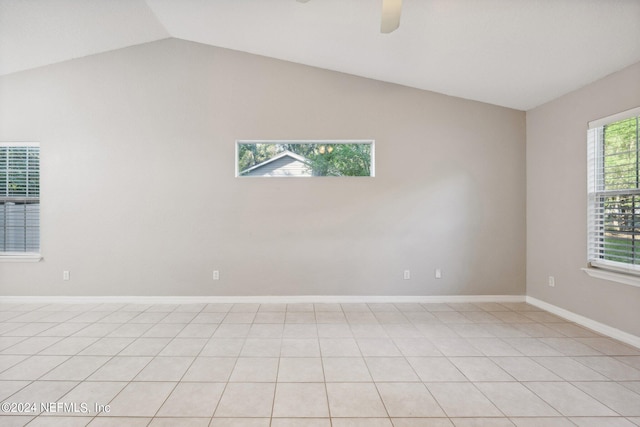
{"points": [[514, 53]]}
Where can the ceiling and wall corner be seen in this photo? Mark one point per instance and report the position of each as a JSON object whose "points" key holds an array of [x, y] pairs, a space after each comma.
{"points": [[513, 53]]}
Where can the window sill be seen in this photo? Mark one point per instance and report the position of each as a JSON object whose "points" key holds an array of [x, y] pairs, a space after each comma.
{"points": [[21, 258], [614, 276]]}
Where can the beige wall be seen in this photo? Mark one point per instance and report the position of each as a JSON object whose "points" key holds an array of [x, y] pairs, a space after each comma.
{"points": [[139, 195], [557, 200]]}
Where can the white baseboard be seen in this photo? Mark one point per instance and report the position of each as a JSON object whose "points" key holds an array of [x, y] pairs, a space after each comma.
{"points": [[586, 322], [274, 299]]}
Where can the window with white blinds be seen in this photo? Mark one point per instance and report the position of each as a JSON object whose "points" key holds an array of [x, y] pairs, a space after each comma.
{"points": [[614, 192], [19, 198]]}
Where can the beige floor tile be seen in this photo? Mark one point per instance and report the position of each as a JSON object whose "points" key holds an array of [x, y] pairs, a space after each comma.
{"points": [[165, 369], [435, 369], [300, 317], [330, 317], [453, 347], [571, 347], [223, 347], [210, 369], [569, 400], [145, 347], [525, 369], [16, 421], [76, 368], [134, 330], [408, 400], [601, 422], [9, 360], [361, 422], [339, 347], [246, 400], [140, 399], [531, 347], [436, 330], [300, 369], [378, 347], [69, 346], [609, 346], [42, 392], [96, 394], [192, 400], [53, 421], [393, 369], [300, 347], [209, 318], [240, 422], [568, 369], [365, 330], [269, 318], [422, 422], [300, 400], [255, 369], [164, 330], [493, 347], [107, 347], [462, 400], [542, 422], [32, 368], [232, 330], [633, 361], [300, 422], [266, 331], [184, 347], [480, 369], [345, 369], [31, 345], [179, 422], [515, 400], [622, 400], [294, 330], [198, 330], [416, 347], [121, 368], [261, 347], [334, 331], [611, 368], [355, 400], [482, 422], [241, 318], [7, 388]]}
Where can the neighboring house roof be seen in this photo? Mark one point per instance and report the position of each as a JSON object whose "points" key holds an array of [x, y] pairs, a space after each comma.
{"points": [[286, 163]]}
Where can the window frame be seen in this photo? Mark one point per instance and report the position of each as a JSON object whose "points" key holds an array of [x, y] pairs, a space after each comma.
{"points": [[26, 256], [239, 142], [597, 265]]}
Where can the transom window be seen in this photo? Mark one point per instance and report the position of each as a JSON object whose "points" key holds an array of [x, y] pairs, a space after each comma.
{"points": [[614, 192], [19, 198], [304, 158]]}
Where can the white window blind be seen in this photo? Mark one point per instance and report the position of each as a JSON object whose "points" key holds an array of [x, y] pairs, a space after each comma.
{"points": [[614, 192], [19, 198]]}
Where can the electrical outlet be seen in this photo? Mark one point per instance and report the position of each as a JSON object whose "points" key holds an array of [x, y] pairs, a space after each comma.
{"points": [[438, 273], [216, 275], [407, 274], [66, 275], [552, 281]]}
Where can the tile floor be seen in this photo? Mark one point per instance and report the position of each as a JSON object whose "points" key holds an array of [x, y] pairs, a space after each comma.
{"points": [[310, 365]]}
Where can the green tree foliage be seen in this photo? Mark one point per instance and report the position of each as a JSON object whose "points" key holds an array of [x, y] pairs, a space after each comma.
{"points": [[347, 159], [19, 172], [622, 172]]}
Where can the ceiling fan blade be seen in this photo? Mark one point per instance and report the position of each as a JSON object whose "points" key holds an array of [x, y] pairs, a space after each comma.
{"points": [[390, 15]]}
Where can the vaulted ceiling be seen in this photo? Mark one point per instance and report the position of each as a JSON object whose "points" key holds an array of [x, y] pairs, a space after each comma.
{"points": [[514, 53]]}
